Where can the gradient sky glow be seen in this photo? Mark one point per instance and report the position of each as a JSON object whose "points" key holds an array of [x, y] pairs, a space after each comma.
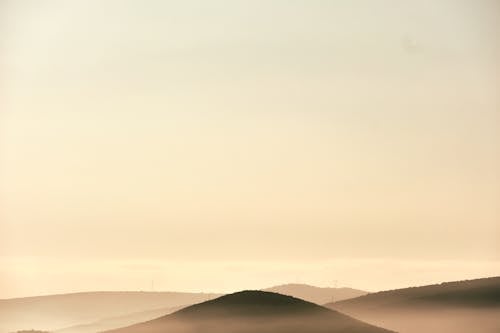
{"points": [[222, 145]]}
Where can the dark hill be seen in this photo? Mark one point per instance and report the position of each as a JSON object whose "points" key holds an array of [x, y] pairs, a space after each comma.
{"points": [[253, 311], [454, 307], [251, 304]]}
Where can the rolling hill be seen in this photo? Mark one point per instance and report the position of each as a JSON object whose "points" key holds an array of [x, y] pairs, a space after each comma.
{"points": [[306, 292], [53, 312], [253, 311], [316, 294], [452, 307], [90, 312]]}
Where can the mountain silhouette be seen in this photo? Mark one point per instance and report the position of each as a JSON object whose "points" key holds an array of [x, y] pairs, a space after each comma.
{"points": [[90, 312], [253, 311], [316, 294], [451, 307]]}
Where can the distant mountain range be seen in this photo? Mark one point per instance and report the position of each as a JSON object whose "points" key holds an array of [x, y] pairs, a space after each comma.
{"points": [[316, 294], [54, 312], [91, 312], [253, 311], [452, 307]]}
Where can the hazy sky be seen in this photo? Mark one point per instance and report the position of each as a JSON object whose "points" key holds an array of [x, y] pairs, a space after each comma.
{"points": [[222, 145]]}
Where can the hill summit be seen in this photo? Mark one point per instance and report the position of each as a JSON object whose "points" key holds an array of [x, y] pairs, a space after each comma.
{"points": [[252, 303], [253, 311]]}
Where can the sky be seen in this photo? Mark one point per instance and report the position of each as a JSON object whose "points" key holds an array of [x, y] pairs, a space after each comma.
{"points": [[227, 145]]}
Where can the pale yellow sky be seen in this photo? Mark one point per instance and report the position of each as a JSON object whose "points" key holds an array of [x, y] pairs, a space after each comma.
{"points": [[249, 142]]}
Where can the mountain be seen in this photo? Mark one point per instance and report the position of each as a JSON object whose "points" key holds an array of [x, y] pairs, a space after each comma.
{"points": [[53, 312], [452, 307], [90, 312], [253, 311], [316, 294]]}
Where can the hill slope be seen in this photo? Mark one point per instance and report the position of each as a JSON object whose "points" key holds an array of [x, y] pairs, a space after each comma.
{"points": [[253, 311], [110, 323], [54, 312], [453, 307], [316, 294]]}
